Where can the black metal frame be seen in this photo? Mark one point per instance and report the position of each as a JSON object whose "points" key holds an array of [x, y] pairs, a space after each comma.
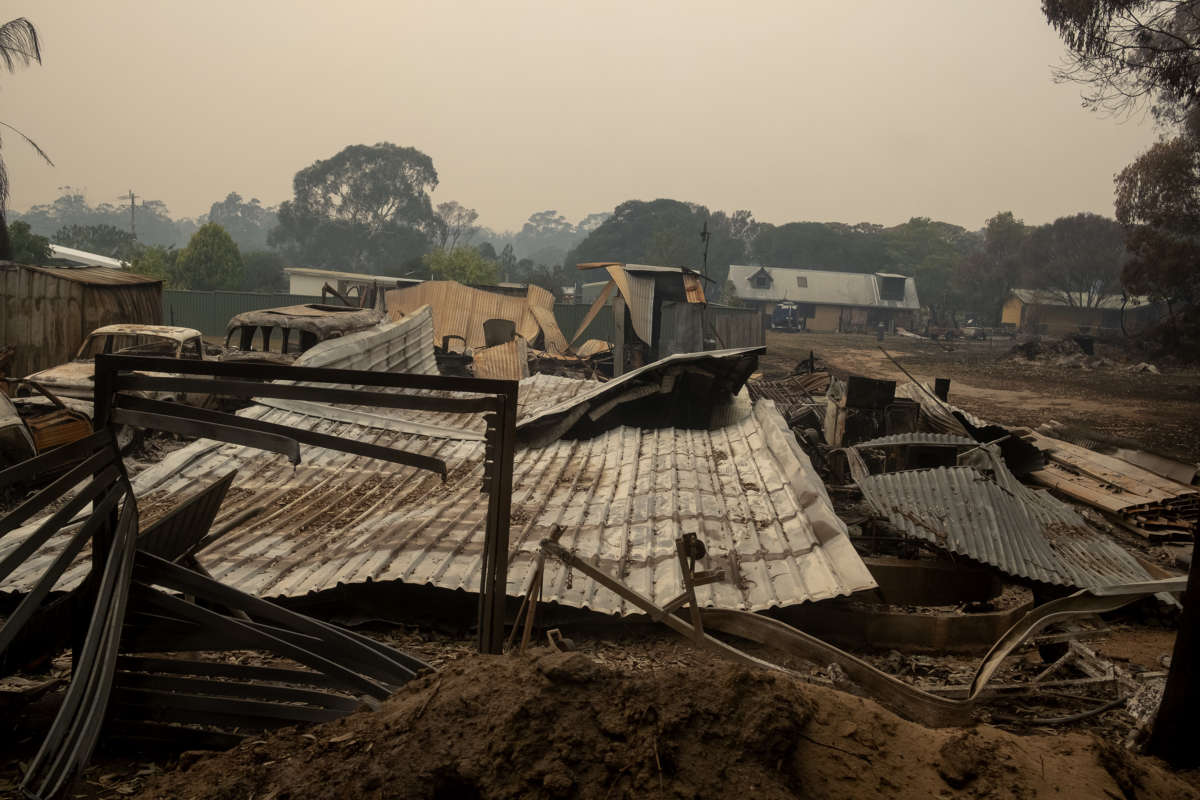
{"points": [[137, 600], [116, 376]]}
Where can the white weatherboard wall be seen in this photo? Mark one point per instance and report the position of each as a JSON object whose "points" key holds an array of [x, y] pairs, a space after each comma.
{"points": [[305, 284]]}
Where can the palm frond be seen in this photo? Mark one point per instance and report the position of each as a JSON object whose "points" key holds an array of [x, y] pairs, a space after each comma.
{"points": [[31, 143], [19, 43]]}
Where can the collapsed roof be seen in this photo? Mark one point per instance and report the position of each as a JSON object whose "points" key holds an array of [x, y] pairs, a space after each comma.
{"points": [[622, 496]]}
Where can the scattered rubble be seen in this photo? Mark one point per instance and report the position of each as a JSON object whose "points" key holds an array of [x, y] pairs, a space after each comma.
{"points": [[666, 489]]}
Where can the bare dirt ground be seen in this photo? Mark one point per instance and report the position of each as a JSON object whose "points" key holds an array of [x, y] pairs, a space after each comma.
{"points": [[553, 724], [645, 714], [1161, 411]]}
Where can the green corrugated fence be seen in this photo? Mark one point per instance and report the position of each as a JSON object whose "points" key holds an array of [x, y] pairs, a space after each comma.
{"points": [[210, 312], [569, 318]]}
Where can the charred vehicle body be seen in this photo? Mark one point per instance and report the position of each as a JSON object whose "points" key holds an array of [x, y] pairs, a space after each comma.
{"points": [[279, 335], [75, 379]]}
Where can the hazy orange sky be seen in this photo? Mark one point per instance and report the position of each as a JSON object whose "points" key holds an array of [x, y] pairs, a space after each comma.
{"points": [[832, 111]]}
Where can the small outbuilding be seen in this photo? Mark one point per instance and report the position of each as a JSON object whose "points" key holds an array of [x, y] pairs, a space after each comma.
{"points": [[826, 300], [46, 312], [1063, 313]]}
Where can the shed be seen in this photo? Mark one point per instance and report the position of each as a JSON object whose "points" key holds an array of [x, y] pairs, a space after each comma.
{"points": [[657, 311], [1063, 313], [46, 312]]}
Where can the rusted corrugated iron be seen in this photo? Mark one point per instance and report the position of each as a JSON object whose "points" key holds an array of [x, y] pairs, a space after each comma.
{"points": [[693, 288], [593, 347], [508, 361], [461, 310]]}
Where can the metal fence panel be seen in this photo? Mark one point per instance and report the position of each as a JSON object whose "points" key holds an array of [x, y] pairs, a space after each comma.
{"points": [[569, 318], [737, 327], [210, 312]]}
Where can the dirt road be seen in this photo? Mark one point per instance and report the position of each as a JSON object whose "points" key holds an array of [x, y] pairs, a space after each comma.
{"points": [[1162, 411]]}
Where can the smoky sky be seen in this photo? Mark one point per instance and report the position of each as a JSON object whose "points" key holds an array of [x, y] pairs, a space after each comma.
{"points": [[868, 111]]}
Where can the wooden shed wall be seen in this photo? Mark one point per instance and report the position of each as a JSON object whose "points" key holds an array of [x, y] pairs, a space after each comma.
{"points": [[46, 318], [108, 305], [42, 319]]}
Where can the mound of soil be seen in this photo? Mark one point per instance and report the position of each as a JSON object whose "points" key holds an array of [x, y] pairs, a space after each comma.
{"points": [[562, 725]]}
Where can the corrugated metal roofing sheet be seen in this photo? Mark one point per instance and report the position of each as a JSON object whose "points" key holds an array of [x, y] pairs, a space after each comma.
{"points": [[95, 276], [1022, 532], [461, 310], [508, 361], [823, 287], [593, 347], [693, 288], [457, 310], [900, 439], [937, 414], [729, 367], [623, 497], [638, 292], [402, 346], [552, 336]]}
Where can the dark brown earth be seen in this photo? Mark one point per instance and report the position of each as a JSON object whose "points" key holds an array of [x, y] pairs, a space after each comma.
{"points": [[563, 725], [1161, 411]]}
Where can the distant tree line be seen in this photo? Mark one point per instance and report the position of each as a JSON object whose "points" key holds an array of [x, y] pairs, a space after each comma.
{"points": [[369, 209]]}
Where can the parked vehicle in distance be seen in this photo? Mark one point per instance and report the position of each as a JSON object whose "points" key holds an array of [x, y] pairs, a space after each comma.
{"points": [[76, 378], [786, 317], [279, 335]]}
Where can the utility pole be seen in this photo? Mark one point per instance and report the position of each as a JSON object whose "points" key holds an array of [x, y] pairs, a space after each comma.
{"points": [[704, 237], [132, 223]]}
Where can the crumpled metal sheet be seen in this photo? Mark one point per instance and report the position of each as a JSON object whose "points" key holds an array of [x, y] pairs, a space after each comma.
{"points": [[1020, 531], [730, 369], [508, 361], [904, 699], [404, 345], [693, 288], [623, 497], [937, 414], [460, 310], [638, 291], [903, 439]]}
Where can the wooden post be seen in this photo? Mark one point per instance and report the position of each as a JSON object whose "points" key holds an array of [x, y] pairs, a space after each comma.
{"points": [[1173, 736], [493, 582], [618, 310]]}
